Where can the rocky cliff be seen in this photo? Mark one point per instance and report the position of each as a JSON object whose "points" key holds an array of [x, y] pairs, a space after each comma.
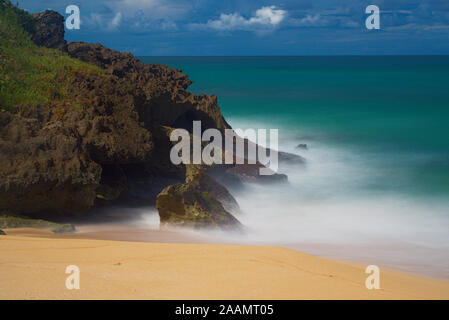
{"points": [[110, 144]]}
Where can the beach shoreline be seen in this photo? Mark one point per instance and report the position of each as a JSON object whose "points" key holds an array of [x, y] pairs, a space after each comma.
{"points": [[358, 254], [33, 262]]}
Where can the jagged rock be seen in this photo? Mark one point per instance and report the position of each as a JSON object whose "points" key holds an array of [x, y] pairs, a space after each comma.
{"points": [[249, 173], [49, 30], [160, 91], [290, 158], [115, 144], [160, 161], [64, 165], [54, 164], [302, 146], [44, 167], [196, 175], [185, 206]]}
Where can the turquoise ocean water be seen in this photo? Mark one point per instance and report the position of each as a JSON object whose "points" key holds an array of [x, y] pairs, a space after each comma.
{"points": [[377, 129]]}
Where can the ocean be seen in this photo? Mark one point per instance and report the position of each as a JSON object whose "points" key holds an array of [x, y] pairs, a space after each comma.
{"points": [[375, 188]]}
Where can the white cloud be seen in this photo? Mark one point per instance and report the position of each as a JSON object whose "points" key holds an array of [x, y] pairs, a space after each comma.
{"points": [[150, 9], [99, 21], [309, 20], [116, 21], [264, 18], [323, 20]]}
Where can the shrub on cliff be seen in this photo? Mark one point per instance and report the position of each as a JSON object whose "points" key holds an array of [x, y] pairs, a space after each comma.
{"points": [[30, 74]]}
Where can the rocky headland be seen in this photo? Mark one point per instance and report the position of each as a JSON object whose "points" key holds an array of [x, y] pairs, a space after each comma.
{"points": [[103, 139]]}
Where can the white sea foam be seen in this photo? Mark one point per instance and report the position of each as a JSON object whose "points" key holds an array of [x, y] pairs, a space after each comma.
{"points": [[330, 208], [334, 200]]}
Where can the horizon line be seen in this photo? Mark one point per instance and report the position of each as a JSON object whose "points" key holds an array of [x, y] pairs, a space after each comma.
{"points": [[317, 55]]}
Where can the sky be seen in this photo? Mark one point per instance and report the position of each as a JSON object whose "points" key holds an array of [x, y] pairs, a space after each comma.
{"points": [[257, 27]]}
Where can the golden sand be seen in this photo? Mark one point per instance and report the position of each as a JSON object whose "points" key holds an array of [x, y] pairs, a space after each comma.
{"points": [[33, 267]]}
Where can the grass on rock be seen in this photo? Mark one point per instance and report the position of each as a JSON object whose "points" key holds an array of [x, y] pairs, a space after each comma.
{"points": [[29, 74]]}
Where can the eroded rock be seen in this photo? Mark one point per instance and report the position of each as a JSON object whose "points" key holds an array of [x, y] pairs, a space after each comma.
{"points": [[183, 205], [49, 30], [196, 175]]}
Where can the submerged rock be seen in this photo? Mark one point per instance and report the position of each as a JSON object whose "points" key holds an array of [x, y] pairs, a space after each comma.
{"points": [[302, 146], [249, 173], [185, 206], [290, 158]]}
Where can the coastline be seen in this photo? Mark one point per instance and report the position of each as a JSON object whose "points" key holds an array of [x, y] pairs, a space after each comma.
{"points": [[355, 188], [33, 262]]}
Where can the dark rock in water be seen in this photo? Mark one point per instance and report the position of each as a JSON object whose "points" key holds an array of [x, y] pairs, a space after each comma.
{"points": [[49, 30], [200, 202], [2, 233], [185, 206], [249, 173], [290, 158], [196, 175], [302, 146]]}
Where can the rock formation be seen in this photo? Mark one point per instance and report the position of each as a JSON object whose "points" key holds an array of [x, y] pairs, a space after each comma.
{"points": [[114, 145], [49, 30], [185, 205]]}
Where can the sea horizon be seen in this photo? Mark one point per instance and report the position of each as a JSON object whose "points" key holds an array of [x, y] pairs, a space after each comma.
{"points": [[258, 152]]}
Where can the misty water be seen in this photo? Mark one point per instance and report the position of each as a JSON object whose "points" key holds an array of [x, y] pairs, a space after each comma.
{"points": [[375, 187]]}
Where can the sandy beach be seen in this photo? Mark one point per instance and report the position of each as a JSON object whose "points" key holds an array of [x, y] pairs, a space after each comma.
{"points": [[33, 263]]}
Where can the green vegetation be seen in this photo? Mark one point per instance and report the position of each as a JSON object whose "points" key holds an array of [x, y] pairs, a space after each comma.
{"points": [[30, 75], [16, 221]]}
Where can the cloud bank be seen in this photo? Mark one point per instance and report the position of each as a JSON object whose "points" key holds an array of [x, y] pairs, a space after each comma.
{"points": [[264, 18]]}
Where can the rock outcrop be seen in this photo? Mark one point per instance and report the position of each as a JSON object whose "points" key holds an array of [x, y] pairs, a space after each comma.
{"points": [[197, 176], [160, 92], [290, 158], [112, 144], [49, 30], [184, 205], [249, 173], [65, 160]]}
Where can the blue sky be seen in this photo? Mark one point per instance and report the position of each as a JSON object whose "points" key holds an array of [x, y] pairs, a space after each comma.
{"points": [[258, 27]]}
